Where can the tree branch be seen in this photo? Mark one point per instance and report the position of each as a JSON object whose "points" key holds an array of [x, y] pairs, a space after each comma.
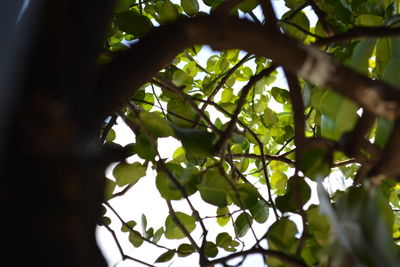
{"points": [[267, 252], [125, 74], [360, 31], [296, 98], [245, 90]]}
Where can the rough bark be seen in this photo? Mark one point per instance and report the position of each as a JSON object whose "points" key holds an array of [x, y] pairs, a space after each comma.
{"points": [[53, 170]]}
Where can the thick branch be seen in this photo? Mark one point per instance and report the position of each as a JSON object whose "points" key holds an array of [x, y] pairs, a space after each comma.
{"points": [[360, 31], [126, 73]]}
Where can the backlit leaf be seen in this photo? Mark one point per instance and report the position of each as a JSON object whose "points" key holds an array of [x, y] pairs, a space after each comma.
{"points": [[191, 7], [214, 188], [155, 125], [126, 173], [172, 230], [242, 224]]}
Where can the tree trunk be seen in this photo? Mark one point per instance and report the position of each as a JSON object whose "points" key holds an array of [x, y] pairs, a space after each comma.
{"points": [[53, 164]]}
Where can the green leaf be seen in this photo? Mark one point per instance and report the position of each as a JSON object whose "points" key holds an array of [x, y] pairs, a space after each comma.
{"points": [[370, 8], [269, 118], [105, 221], [128, 226], [280, 95], [180, 78], [191, 7], [144, 148], [126, 173], [166, 256], [361, 54], [227, 95], [144, 224], [135, 238], [339, 115], [214, 188], [281, 235], [158, 234], [109, 188], [298, 193], [318, 225], [300, 19], [188, 178], [185, 250], [315, 163], [179, 155], [294, 4], [123, 5], [223, 216], [168, 12], [172, 231], [383, 132], [278, 181], [181, 114], [368, 20], [210, 250], [213, 3], [111, 136], [242, 224], [133, 23], [248, 5], [391, 72], [149, 233], [382, 55], [197, 142], [248, 195], [260, 211], [212, 63], [155, 125], [225, 241]]}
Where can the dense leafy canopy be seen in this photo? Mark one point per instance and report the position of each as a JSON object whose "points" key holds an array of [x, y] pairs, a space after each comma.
{"points": [[257, 152]]}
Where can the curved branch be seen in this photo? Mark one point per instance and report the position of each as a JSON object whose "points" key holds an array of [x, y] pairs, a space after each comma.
{"points": [[267, 252], [125, 73], [360, 31]]}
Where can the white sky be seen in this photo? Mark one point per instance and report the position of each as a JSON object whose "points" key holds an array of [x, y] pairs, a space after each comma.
{"points": [[144, 198]]}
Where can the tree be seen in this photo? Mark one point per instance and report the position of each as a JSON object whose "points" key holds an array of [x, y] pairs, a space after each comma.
{"points": [[93, 61]]}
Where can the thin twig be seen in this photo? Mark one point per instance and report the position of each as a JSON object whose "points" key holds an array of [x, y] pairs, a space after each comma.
{"points": [[107, 128], [224, 79], [321, 17], [181, 226], [122, 192], [123, 222], [169, 85], [121, 251], [300, 28], [169, 112], [158, 100], [267, 252], [245, 90], [281, 158], [196, 63]]}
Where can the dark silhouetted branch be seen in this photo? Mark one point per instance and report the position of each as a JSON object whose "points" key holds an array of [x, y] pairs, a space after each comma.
{"points": [[125, 73]]}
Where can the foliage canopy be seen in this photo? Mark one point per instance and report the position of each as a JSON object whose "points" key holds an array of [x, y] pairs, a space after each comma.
{"points": [[255, 151]]}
